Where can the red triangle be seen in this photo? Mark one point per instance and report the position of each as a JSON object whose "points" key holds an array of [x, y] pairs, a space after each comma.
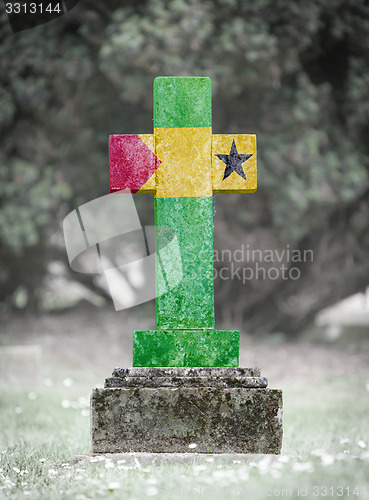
{"points": [[131, 162]]}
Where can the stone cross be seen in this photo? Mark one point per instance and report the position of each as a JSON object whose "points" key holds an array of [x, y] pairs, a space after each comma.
{"points": [[183, 163]]}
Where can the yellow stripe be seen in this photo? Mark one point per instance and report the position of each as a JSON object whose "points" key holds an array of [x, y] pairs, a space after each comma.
{"points": [[185, 154], [246, 144], [149, 186], [189, 166]]}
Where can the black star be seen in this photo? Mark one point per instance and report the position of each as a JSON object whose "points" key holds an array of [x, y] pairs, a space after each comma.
{"points": [[234, 162]]}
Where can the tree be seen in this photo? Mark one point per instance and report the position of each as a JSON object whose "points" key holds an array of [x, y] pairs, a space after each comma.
{"points": [[295, 74]]}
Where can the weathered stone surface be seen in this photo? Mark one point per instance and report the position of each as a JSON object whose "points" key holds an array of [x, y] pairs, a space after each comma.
{"points": [[188, 377], [172, 371], [165, 419], [252, 382]]}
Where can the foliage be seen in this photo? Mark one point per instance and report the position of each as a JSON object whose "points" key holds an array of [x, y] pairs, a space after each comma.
{"points": [[296, 74]]}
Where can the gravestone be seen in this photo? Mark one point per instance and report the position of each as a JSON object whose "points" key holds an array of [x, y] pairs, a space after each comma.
{"points": [[185, 391]]}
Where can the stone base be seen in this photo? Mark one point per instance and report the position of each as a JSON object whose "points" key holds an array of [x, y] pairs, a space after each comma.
{"points": [[169, 410]]}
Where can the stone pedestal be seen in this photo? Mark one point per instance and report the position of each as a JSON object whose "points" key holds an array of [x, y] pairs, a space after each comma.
{"points": [[165, 410]]}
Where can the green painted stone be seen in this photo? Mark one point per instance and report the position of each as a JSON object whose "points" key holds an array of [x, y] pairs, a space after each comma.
{"points": [[173, 107], [186, 348], [190, 305]]}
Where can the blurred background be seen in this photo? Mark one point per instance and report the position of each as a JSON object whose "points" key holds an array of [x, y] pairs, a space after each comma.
{"points": [[294, 73]]}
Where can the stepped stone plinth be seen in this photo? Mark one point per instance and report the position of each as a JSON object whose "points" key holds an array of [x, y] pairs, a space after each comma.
{"points": [[220, 410]]}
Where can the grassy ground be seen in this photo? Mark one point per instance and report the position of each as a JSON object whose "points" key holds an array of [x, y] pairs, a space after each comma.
{"points": [[326, 425], [325, 451]]}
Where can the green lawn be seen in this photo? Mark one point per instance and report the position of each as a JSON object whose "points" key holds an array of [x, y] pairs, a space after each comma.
{"points": [[325, 451]]}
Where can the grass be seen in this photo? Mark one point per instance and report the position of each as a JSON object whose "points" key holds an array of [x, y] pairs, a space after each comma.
{"points": [[325, 451]]}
